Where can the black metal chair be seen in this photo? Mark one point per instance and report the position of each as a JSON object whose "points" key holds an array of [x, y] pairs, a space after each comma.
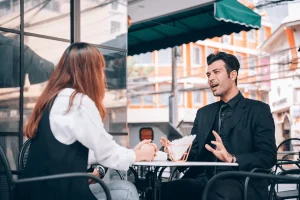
{"points": [[286, 156], [224, 175], [23, 156], [176, 173], [286, 194], [8, 183]]}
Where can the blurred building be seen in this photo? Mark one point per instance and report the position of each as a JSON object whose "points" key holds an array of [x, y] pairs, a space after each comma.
{"points": [[282, 50], [151, 74]]}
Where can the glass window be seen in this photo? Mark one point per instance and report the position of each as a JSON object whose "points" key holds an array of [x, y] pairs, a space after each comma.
{"points": [[262, 34], [115, 27], [251, 35], [210, 51], [265, 97], [102, 24], [114, 5], [115, 69], [148, 99], [145, 58], [253, 95], [197, 97], [197, 55], [180, 100], [165, 56], [135, 100], [9, 82], [240, 58], [239, 35], [10, 14], [40, 58], [164, 98], [50, 18], [10, 146], [210, 97], [226, 39], [252, 66]]}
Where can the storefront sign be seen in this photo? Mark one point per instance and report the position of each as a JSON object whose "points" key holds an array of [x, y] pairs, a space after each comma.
{"points": [[280, 102]]}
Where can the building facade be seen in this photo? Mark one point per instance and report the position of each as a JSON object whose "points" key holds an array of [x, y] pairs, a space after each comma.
{"points": [[33, 37], [282, 49]]}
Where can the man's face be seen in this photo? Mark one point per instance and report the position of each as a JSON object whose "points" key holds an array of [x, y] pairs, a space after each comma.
{"points": [[219, 81]]}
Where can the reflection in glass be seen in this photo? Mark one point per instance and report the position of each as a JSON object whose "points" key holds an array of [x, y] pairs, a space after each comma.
{"points": [[9, 82], [115, 122], [115, 69], [10, 146], [46, 54], [51, 18], [10, 14], [104, 22]]}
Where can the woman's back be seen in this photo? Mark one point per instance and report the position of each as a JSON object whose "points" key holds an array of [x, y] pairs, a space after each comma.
{"points": [[48, 156]]}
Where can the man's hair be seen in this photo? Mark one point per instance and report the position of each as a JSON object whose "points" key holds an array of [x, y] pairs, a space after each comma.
{"points": [[231, 62]]}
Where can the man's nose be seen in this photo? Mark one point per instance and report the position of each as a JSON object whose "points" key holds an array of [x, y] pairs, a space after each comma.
{"points": [[211, 78]]}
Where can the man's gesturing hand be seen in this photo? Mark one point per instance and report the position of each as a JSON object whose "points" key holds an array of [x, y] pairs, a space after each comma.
{"points": [[220, 152]]}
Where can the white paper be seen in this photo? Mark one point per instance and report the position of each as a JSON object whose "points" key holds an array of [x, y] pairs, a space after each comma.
{"points": [[180, 146], [161, 156]]}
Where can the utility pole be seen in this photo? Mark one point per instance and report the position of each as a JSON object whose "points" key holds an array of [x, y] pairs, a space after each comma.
{"points": [[173, 99]]}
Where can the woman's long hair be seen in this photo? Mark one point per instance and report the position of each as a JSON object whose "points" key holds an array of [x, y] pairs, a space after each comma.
{"points": [[82, 68]]}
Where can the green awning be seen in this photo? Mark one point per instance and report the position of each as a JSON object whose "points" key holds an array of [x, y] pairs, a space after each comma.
{"points": [[198, 23]]}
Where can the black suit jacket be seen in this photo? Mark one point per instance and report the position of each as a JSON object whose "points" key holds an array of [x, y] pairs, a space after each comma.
{"points": [[251, 138]]}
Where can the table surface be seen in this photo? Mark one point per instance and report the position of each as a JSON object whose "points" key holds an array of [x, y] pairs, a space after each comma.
{"points": [[175, 164]]}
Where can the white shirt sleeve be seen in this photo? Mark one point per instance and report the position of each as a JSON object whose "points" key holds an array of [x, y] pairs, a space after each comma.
{"points": [[85, 125]]}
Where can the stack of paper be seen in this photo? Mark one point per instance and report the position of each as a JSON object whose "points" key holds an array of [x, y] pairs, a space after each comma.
{"points": [[178, 147]]}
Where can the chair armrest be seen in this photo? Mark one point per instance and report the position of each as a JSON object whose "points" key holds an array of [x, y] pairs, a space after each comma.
{"points": [[14, 172], [66, 176], [244, 174], [290, 172], [255, 170], [106, 169]]}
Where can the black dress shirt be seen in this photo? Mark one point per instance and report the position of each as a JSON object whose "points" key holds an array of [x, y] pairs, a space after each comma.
{"points": [[222, 121]]}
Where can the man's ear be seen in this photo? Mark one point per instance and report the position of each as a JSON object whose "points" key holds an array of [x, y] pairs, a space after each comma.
{"points": [[233, 75]]}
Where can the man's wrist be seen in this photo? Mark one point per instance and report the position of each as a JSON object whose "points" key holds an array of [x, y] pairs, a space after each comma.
{"points": [[231, 158]]}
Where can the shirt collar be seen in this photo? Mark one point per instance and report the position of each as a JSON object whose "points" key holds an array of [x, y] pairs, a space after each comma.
{"points": [[232, 102]]}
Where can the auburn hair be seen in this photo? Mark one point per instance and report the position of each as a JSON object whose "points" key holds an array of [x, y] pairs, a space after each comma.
{"points": [[81, 67]]}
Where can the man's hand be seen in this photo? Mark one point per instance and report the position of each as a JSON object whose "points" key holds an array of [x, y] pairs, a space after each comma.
{"points": [[165, 142], [220, 152], [95, 173]]}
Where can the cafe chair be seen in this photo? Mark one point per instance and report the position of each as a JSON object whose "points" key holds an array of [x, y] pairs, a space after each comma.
{"points": [[23, 156], [8, 183]]}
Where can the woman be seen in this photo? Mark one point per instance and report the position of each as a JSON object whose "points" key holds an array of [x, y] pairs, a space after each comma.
{"points": [[67, 131]]}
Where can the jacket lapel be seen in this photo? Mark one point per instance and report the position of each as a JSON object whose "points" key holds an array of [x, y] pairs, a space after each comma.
{"points": [[238, 112], [207, 123]]}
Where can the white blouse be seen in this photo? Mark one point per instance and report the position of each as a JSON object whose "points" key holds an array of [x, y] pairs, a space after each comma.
{"points": [[83, 123]]}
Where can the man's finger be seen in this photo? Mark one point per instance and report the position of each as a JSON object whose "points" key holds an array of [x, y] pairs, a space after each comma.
{"points": [[218, 138], [209, 148], [218, 144]]}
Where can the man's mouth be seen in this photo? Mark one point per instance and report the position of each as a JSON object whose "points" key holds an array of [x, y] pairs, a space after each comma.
{"points": [[213, 86]]}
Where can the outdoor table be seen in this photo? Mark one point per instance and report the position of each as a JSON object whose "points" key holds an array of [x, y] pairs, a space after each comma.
{"points": [[153, 177]]}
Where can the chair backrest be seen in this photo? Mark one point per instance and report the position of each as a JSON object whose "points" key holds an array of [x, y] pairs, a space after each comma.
{"points": [[287, 155], [23, 156], [6, 183]]}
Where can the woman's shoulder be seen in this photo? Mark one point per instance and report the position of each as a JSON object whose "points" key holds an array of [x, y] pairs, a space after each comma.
{"points": [[79, 99]]}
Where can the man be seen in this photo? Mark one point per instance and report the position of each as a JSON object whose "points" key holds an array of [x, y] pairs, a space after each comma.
{"points": [[233, 130]]}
